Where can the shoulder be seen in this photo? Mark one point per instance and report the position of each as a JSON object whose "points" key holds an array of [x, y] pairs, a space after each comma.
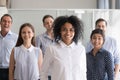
{"points": [[105, 52], [17, 48], [37, 48], [14, 34], [108, 38], [40, 36], [80, 45]]}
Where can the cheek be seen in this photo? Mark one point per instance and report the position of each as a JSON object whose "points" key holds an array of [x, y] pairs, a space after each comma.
{"points": [[102, 42]]}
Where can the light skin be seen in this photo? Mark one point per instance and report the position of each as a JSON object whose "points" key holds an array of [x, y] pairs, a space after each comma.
{"points": [[6, 23], [27, 35], [48, 25], [97, 41], [102, 25], [67, 33]]}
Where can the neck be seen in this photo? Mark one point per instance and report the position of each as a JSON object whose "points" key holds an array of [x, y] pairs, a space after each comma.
{"points": [[95, 51], [50, 33], [27, 45], [3, 33]]}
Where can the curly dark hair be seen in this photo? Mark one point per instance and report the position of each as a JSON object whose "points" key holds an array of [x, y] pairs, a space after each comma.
{"points": [[76, 23], [20, 40]]}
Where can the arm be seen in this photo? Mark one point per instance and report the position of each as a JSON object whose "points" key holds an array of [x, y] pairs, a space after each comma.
{"points": [[11, 66], [116, 62], [117, 68], [40, 60], [46, 64], [109, 66], [89, 46], [84, 65], [38, 41]]}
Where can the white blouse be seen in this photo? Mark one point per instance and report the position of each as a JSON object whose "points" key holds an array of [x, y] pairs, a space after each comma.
{"points": [[66, 62], [26, 63]]}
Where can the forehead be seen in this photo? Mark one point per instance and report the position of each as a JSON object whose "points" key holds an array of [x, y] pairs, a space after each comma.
{"points": [[67, 25], [6, 18], [101, 23], [27, 28], [48, 19], [97, 35]]}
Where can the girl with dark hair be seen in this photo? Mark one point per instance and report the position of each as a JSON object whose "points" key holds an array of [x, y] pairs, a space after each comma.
{"points": [[25, 59], [66, 58], [99, 60]]}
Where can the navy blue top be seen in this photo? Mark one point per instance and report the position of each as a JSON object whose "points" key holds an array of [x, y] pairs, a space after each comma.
{"points": [[100, 64]]}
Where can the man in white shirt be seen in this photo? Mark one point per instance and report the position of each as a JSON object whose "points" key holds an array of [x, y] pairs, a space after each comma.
{"points": [[110, 45], [7, 42]]}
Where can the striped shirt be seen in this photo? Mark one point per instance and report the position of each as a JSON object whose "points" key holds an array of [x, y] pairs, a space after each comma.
{"points": [[43, 41], [6, 45]]}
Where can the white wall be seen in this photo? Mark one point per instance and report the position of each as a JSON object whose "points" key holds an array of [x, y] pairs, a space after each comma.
{"points": [[37, 4], [3, 10], [34, 17], [87, 16]]}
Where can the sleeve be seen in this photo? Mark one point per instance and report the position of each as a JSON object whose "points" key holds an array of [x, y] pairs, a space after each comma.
{"points": [[48, 58], [38, 41], [83, 67], [109, 66], [84, 64], [116, 55], [89, 47]]}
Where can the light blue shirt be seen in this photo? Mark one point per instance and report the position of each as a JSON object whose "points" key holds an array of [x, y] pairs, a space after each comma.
{"points": [[110, 45], [43, 41], [6, 45]]}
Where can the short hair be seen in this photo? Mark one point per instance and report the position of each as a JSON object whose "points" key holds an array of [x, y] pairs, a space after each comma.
{"points": [[76, 23], [47, 16], [20, 40], [98, 31], [6, 15], [99, 20]]}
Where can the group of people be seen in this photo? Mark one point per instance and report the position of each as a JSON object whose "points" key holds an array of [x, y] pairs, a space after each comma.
{"points": [[58, 53]]}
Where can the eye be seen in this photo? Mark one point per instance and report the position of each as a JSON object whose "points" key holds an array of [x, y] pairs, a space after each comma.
{"points": [[63, 29], [72, 30], [29, 32], [23, 32]]}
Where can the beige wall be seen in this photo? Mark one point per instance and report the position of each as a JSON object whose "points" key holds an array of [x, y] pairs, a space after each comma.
{"points": [[57, 4], [2, 2]]}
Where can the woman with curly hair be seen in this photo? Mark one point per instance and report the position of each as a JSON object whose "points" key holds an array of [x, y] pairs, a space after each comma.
{"points": [[67, 57]]}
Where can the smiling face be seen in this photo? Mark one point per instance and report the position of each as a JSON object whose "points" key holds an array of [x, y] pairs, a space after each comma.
{"points": [[6, 23], [67, 33], [97, 40], [27, 34], [101, 25], [48, 23]]}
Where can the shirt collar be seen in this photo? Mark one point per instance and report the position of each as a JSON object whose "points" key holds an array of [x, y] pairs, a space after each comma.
{"points": [[64, 45], [29, 49], [46, 35], [100, 51], [9, 33]]}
